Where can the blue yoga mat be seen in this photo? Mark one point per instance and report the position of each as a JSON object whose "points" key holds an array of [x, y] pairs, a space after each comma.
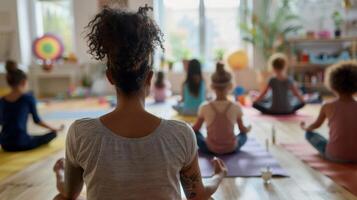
{"points": [[64, 115]]}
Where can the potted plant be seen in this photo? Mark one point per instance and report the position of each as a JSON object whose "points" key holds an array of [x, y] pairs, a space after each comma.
{"points": [[219, 54], [267, 31], [180, 51], [170, 64], [338, 20]]}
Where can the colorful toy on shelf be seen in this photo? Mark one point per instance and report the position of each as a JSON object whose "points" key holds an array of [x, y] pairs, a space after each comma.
{"points": [[328, 59], [324, 34], [48, 48], [238, 60]]}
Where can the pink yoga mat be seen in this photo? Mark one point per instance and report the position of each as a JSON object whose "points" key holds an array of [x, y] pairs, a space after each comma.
{"points": [[256, 115], [342, 174], [247, 163]]}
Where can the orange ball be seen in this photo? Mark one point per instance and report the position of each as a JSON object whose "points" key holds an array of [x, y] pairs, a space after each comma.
{"points": [[238, 60]]}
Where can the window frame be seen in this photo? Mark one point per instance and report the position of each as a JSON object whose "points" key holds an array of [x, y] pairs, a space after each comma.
{"points": [[160, 15]]}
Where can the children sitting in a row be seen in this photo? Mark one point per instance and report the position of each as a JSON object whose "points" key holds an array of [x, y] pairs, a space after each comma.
{"points": [[14, 111]]}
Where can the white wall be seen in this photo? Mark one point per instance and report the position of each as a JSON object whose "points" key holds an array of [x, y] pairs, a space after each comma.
{"points": [[83, 12]]}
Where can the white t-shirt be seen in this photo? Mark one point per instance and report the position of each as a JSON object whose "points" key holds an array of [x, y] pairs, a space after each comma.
{"points": [[116, 167], [208, 114]]}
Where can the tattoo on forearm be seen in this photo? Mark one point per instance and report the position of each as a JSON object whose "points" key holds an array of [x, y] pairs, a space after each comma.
{"points": [[189, 183]]}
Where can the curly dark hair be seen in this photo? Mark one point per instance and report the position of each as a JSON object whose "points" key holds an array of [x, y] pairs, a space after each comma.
{"points": [[14, 75], [279, 64], [342, 78], [127, 41]]}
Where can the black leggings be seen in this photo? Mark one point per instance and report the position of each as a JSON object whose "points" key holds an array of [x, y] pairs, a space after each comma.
{"points": [[34, 142], [263, 108]]}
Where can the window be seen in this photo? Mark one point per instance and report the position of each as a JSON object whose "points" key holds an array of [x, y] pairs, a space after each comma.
{"points": [[199, 29], [56, 17]]}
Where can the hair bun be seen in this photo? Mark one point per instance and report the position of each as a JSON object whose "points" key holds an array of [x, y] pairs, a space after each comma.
{"points": [[221, 77], [144, 10], [10, 66], [220, 67]]}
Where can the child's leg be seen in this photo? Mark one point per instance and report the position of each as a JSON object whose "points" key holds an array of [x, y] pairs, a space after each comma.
{"points": [[201, 143], [37, 141], [298, 106], [317, 141], [242, 139], [178, 107], [30, 143], [262, 107]]}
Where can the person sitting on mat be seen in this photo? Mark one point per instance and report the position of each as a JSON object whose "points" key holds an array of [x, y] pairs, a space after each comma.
{"points": [[161, 89], [14, 111], [281, 103], [130, 153], [194, 90], [220, 116], [341, 114]]}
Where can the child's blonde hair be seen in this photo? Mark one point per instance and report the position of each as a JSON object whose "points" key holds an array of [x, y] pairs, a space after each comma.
{"points": [[342, 77]]}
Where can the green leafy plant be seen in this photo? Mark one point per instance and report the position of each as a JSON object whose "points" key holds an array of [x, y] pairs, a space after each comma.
{"points": [[267, 30], [178, 45], [219, 54], [337, 19]]}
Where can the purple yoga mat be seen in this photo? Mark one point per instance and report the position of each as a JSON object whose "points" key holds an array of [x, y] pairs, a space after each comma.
{"points": [[248, 162]]}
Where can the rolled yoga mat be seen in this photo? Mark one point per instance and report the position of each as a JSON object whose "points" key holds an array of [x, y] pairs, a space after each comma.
{"points": [[343, 174], [248, 162]]}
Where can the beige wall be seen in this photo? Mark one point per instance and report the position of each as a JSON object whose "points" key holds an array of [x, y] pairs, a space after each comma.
{"points": [[9, 21]]}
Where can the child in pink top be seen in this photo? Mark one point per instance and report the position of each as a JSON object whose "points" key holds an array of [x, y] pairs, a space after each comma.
{"points": [[161, 89], [220, 117], [341, 115]]}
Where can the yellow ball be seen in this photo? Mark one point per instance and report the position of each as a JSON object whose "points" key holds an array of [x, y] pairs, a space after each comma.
{"points": [[238, 60]]}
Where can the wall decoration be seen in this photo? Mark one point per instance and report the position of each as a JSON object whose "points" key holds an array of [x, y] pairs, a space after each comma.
{"points": [[48, 48]]}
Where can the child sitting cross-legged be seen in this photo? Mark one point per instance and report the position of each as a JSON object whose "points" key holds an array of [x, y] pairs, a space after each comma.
{"points": [[220, 116], [15, 109], [281, 103], [341, 114]]}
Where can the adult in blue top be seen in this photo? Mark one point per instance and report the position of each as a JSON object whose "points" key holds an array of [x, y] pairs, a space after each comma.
{"points": [[14, 111], [194, 90]]}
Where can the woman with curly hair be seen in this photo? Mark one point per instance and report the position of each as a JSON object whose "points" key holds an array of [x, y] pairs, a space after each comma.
{"points": [[130, 153], [341, 114]]}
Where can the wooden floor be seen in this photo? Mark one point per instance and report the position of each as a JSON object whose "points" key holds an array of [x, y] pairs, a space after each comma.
{"points": [[37, 182]]}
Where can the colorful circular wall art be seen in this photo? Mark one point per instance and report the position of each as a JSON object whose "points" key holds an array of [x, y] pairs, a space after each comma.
{"points": [[48, 48]]}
